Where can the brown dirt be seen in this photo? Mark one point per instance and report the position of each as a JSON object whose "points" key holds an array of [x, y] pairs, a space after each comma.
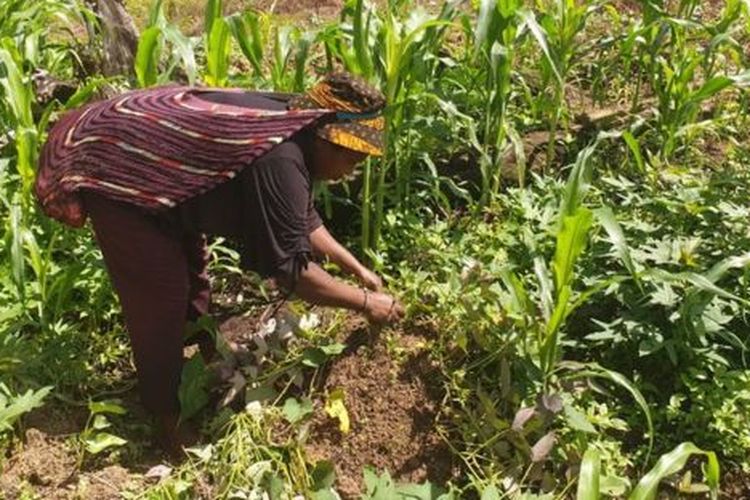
{"points": [[46, 465], [324, 9], [735, 484], [45, 461], [393, 408]]}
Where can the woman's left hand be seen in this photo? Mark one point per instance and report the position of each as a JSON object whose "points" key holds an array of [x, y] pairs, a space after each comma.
{"points": [[369, 279]]}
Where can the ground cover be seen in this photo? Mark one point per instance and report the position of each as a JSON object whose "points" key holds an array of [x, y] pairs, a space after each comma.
{"points": [[562, 207]]}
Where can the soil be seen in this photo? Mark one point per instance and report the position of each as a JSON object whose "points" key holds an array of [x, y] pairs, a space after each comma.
{"points": [[46, 461], [324, 9], [393, 407], [735, 484], [46, 464]]}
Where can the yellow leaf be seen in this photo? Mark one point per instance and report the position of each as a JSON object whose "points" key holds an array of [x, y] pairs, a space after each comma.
{"points": [[335, 408]]}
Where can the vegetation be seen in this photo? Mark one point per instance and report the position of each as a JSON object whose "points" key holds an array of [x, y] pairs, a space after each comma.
{"points": [[563, 206]]}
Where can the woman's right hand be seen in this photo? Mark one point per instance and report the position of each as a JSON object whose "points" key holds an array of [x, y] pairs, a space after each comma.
{"points": [[382, 309]]}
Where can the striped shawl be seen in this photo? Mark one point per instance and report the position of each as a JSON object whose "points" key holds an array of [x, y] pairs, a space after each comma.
{"points": [[155, 148]]}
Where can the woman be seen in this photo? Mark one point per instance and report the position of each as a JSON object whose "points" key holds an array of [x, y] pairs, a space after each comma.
{"points": [[156, 170]]}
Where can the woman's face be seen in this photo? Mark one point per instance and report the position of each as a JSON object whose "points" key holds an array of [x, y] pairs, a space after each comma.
{"points": [[332, 162]]}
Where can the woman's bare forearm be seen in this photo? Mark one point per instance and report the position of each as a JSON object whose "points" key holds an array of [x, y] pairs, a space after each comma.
{"points": [[316, 286], [325, 245]]}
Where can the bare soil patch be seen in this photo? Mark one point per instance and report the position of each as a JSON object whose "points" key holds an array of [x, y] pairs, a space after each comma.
{"points": [[46, 465], [393, 407]]}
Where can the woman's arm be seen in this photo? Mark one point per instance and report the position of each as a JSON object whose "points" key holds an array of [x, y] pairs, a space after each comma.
{"points": [[325, 245], [316, 286]]}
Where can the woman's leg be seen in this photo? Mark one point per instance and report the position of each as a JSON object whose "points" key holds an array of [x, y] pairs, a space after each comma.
{"points": [[149, 271]]}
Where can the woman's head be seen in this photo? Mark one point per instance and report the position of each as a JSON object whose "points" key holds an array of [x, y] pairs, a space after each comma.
{"points": [[329, 161], [354, 132]]}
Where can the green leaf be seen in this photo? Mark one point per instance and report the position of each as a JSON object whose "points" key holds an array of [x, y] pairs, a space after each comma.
{"points": [[491, 493], [608, 220], [317, 356], [193, 392], [588, 479], [262, 393], [217, 54], [147, 57], [379, 487], [323, 475], [296, 410], [112, 407], [184, 48], [101, 441], [577, 420], [668, 464], [15, 406], [529, 19], [246, 30], [571, 241], [100, 423], [487, 10], [213, 12], [595, 370], [614, 486], [333, 349], [635, 149]]}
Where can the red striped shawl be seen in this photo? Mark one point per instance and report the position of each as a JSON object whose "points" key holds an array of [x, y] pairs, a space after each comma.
{"points": [[154, 148]]}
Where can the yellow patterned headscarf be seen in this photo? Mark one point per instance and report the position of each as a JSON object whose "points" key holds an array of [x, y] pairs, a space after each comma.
{"points": [[358, 125]]}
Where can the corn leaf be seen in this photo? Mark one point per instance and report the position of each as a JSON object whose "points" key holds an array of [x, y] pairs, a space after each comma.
{"points": [[147, 57], [671, 463], [588, 479], [213, 12], [595, 370], [617, 237], [217, 54], [571, 241]]}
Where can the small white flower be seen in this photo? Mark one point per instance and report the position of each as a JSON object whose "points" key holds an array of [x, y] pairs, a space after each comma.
{"points": [[268, 327], [309, 321], [254, 409], [240, 298]]}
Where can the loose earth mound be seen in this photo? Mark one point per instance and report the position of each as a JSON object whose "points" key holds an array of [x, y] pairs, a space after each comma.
{"points": [[393, 398]]}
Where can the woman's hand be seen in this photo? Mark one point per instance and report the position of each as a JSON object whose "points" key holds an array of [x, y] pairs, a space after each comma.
{"points": [[381, 308], [369, 279]]}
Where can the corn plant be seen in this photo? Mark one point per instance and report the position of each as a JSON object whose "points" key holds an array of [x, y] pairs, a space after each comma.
{"points": [[406, 62], [18, 99], [154, 41], [647, 488], [682, 76], [277, 53], [562, 23]]}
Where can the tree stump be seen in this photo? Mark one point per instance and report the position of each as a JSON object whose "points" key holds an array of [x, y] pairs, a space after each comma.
{"points": [[119, 38]]}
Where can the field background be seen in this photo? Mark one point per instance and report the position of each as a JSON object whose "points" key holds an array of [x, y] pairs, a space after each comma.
{"points": [[563, 208]]}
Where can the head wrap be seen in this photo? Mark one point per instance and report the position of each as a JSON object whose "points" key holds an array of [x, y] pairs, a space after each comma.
{"points": [[358, 124]]}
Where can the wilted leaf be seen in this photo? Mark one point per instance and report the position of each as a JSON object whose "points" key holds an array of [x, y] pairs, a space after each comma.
{"points": [[553, 403], [522, 417], [540, 451], [158, 472], [335, 408]]}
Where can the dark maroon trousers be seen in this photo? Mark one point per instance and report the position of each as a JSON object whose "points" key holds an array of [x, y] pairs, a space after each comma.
{"points": [[152, 270]]}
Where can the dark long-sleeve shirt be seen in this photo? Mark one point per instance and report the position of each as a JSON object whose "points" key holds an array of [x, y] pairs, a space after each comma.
{"points": [[267, 208]]}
